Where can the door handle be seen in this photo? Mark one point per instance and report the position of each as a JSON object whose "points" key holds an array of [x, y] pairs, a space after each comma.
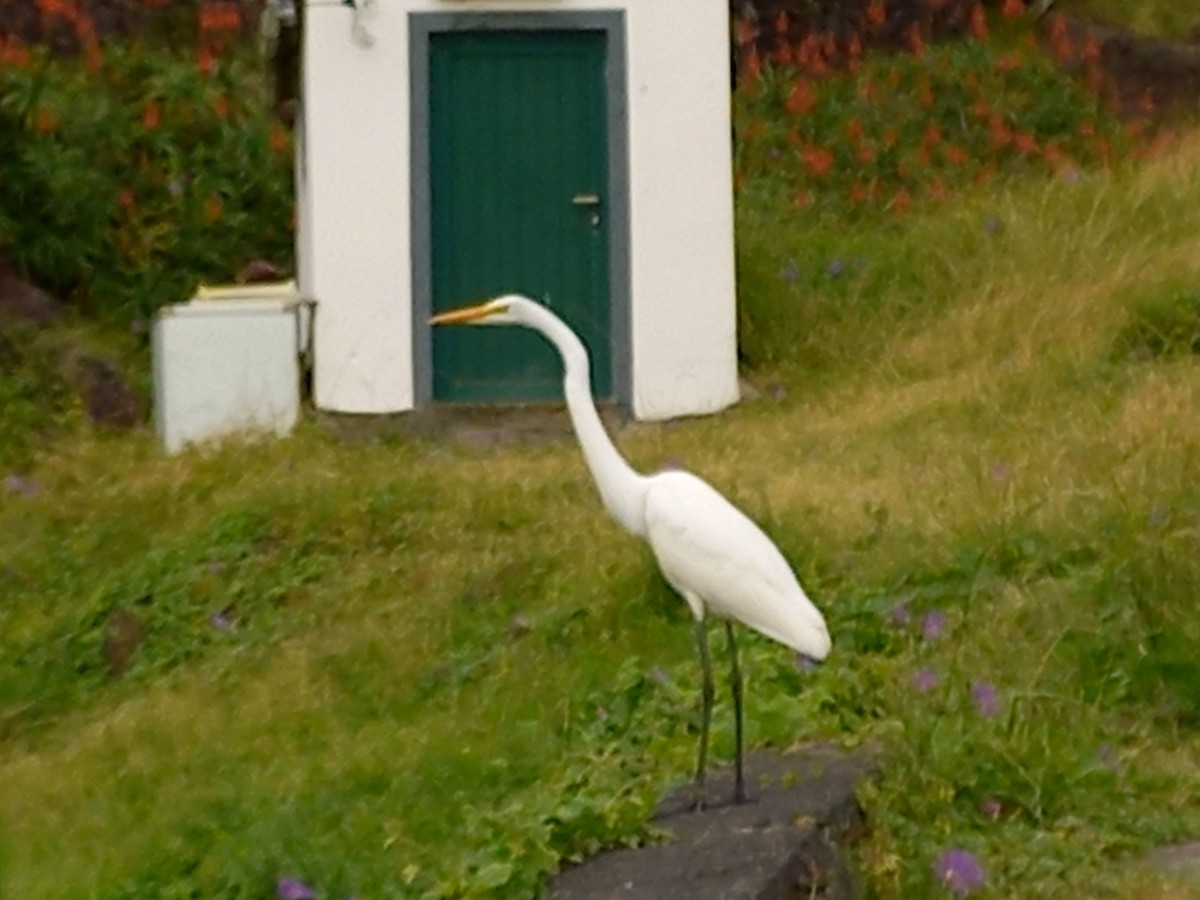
{"points": [[586, 199]]}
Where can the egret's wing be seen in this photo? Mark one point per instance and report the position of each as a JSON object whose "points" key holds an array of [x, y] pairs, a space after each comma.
{"points": [[708, 548]]}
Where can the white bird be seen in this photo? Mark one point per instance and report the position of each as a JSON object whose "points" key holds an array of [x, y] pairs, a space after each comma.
{"points": [[719, 560]]}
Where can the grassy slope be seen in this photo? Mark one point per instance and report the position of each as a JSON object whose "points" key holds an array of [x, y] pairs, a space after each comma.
{"points": [[447, 669]]}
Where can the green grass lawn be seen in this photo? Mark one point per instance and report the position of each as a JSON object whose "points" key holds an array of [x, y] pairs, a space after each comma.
{"points": [[406, 669]]}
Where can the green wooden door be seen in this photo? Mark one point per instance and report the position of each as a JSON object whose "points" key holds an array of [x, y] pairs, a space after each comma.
{"points": [[518, 175]]}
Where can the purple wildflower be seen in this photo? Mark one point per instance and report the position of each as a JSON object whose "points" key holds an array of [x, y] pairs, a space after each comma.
{"points": [[19, 484], [901, 615], [933, 625], [991, 808], [985, 698], [294, 889], [222, 620], [925, 680], [778, 392], [1000, 472], [836, 268], [992, 225], [789, 273], [960, 871], [805, 663]]}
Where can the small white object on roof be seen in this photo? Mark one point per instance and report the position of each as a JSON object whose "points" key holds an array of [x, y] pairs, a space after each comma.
{"points": [[227, 362]]}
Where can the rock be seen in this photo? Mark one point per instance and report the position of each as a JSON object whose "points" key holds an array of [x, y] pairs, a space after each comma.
{"points": [[785, 843], [1180, 860], [259, 270], [22, 301]]}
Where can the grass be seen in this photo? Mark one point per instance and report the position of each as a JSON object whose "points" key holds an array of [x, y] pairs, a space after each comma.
{"points": [[405, 669]]}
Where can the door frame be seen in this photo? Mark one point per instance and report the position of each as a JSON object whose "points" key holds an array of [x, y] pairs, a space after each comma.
{"points": [[421, 28]]}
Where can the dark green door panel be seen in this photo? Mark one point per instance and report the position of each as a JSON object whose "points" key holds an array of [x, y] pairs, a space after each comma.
{"points": [[516, 133]]}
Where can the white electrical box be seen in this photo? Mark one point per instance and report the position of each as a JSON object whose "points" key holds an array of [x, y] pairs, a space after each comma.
{"points": [[227, 362]]}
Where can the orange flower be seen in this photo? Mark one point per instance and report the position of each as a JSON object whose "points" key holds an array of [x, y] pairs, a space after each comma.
{"points": [[916, 43], [933, 136], [802, 98], [1091, 50], [125, 199], [854, 47], [44, 120], [1013, 9], [854, 130], [923, 156], [818, 161], [956, 155], [937, 190], [868, 91], [1087, 129], [782, 23], [926, 94], [13, 53], [890, 138], [279, 139], [206, 61], [1052, 153], [979, 26], [752, 68], [865, 153], [151, 116], [902, 201], [1008, 63], [743, 32], [858, 193], [1025, 142], [221, 106], [212, 207], [803, 199], [876, 14]]}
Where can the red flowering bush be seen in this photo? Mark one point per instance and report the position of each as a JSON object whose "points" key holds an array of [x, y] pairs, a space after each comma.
{"points": [[132, 174], [909, 126]]}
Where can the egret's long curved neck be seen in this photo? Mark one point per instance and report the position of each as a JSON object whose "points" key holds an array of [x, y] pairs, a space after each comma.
{"points": [[621, 488]]}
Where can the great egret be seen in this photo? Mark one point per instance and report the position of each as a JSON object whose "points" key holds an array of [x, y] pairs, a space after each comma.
{"points": [[708, 550]]}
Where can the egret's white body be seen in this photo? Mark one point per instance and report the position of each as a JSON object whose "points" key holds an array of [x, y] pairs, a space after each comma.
{"points": [[714, 555]]}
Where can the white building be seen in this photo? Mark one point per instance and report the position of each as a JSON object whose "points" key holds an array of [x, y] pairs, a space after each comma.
{"points": [[573, 150]]}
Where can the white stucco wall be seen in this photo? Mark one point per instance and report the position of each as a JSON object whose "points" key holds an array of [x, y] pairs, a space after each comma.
{"points": [[355, 202]]}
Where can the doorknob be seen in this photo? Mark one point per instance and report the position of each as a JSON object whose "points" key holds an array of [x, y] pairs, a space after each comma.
{"points": [[586, 199]]}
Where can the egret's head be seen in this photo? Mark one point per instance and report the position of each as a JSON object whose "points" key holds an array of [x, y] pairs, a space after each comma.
{"points": [[509, 309]]}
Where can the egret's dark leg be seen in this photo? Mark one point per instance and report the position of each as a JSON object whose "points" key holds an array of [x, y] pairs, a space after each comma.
{"points": [[735, 684], [706, 697]]}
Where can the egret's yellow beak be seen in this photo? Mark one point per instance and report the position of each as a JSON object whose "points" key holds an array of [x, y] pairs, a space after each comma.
{"points": [[463, 315]]}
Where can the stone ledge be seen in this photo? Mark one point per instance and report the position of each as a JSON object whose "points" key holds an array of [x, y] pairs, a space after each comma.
{"points": [[786, 843]]}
